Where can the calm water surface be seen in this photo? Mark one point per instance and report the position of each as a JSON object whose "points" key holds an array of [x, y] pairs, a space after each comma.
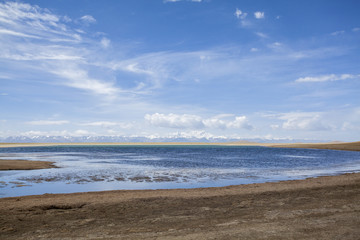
{"points": [[98, 168]]}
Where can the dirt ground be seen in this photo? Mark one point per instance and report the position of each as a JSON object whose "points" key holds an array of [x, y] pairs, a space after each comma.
{"points": [[316, 208]]}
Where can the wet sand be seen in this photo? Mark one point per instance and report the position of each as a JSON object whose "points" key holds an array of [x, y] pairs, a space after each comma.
{"points": [[315, 208]]}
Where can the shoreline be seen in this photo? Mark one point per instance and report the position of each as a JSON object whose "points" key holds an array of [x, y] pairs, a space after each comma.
{"points": [[345, 146], [316, 208]]}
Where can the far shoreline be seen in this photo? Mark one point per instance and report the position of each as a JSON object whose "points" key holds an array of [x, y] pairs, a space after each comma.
{"points": [[346, 146]]}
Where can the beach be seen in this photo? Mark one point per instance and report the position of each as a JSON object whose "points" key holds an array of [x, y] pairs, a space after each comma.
{"points": [[326, 207]]}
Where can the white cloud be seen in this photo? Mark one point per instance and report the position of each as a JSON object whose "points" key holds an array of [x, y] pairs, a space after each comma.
{"points": [[105, 42], [88, 19], [79, 78], [242, 17], [67, 19], [100, 124], [48, 122], [81, 132], [67, 55], [262, 35], [259, 15], [44, 42], [76, 133], [350, 127], [327, 78], [240, 122], [337, 33], [31, 21], [275, 126], [311, 121], [186, 121], [275, 45], [240, 14], [12, 11], [357, 29], [107, 124], [191, 135], [18, 34], [174, 121]]}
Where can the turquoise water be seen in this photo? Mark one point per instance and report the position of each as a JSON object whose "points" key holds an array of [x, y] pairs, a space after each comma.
{"points": [[98, 168]]}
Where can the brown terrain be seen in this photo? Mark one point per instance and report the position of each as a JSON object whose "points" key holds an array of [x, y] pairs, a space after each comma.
{"points": [[24, 165], [353, 146], [315, 208]]}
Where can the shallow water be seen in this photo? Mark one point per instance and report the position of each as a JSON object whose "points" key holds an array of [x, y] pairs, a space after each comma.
{"points": [[98, 168]]}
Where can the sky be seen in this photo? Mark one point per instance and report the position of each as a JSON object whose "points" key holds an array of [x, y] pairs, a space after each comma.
{"points": [[181, 68]]}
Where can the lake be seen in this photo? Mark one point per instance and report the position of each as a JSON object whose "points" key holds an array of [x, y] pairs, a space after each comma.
{"points": [[99, 168]]}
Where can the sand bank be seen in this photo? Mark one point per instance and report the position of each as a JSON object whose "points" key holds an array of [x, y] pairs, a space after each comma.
{"points": [[350, 146], [24, 165]]}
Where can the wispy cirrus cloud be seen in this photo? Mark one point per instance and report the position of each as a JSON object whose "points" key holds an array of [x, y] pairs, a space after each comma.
{"points": [[48, 122], [55, 47], [108, 124], [327, 78], [88, 19], [262, 35], [337, 33]]}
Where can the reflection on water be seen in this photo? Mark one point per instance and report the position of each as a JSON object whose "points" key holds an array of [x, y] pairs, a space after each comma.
{"points": [[95, 168]]}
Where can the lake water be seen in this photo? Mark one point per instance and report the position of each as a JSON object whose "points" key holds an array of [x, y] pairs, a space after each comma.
{"points": [[98, 168]]}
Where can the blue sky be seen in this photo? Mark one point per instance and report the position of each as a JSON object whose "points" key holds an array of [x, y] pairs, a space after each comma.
{"points": [[185, 68]]}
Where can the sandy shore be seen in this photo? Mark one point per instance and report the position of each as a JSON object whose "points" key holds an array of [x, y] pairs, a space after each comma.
{"points": [[316, 208]]}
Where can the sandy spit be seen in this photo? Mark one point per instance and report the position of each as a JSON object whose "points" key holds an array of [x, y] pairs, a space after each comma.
{"points": [[25, 165]]}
